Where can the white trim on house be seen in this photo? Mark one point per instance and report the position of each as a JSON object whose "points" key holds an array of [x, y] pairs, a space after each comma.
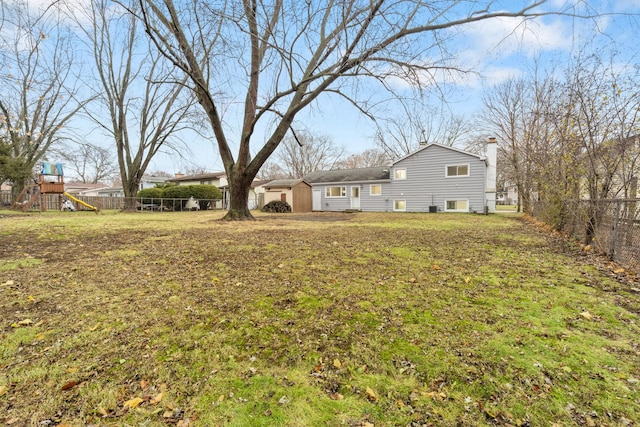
{"points": [[371, 193], [457, 209], [457, 166], [403, 204], [403, 175], [343, 191]]}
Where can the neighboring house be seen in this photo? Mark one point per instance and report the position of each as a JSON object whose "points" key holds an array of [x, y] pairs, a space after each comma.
{"points": [[152, 181], [219, 179], [84, 188], [508, 195], [433, 178], [296, 192], [111, 192]]}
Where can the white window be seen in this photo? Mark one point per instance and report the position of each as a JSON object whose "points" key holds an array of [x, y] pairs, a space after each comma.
{"points": [[335, 191], [399, 174], [400, 205], [457, 205], [375, 189], [457, 170]]}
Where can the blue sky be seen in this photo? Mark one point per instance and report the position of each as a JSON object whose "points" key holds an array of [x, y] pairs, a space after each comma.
{"points": [[494, 50]]}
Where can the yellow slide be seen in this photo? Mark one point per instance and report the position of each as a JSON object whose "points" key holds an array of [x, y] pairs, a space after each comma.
{"points": [[86, 205]]}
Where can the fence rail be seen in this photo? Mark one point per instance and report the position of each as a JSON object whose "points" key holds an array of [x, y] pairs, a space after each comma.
{"points": [[611, 226], [59, 202]]}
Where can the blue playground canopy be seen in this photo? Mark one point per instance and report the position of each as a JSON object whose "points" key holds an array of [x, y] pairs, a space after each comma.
{"points": [[49, 168]]}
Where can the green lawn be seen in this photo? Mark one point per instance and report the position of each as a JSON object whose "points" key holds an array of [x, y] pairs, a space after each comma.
{"points": [[159, 319]]}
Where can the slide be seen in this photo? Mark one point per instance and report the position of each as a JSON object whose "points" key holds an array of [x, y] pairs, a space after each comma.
{"points": [[86, 205]]}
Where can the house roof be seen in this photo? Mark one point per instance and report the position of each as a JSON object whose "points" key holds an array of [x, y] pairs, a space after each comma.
{"points": [[199, 177], [78, 187], [433, 144], [349, 175], [279, 183]]}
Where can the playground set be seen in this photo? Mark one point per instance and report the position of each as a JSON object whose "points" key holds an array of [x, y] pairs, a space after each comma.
{"points": [[50, 181]]}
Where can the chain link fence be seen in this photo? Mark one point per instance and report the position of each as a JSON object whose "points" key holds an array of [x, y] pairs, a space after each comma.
{"points": [[611, 226], [53, 202]]}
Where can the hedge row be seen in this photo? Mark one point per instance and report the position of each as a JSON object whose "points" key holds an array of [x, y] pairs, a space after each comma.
{"points": [[184, 192]]}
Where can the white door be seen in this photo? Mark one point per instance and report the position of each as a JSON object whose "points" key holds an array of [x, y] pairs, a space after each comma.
{"points": [[355, 197], [317, 200]]}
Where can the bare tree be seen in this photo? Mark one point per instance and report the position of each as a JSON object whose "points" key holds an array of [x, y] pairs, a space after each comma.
{"points": [[601, 118], [401, 135], [367, 159], [306, 153], [277, 58], [90, 163], [509, 112], [146, 103], [271, 171], [38, 96]]}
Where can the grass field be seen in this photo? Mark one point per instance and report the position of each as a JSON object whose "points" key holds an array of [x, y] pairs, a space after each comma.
{"points": [[309, 320]]}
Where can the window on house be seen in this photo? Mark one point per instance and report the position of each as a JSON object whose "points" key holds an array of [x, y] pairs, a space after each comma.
{"points": [[457, 205], [400, 205], [458, 170], [375, 190], [335, 191], [399, 174]]}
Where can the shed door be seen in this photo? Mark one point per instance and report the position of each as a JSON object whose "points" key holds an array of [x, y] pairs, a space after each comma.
{"points": [[355, 197], [317, 200]]}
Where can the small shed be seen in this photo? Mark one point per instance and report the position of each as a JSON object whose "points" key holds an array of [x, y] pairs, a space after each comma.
{"points": [[296, 192]]}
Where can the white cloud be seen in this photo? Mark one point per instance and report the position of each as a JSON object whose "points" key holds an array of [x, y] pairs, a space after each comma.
{"points": [[503, 37]]}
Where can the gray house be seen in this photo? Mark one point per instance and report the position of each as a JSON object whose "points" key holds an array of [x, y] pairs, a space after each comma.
{"points": [[435, 178]]}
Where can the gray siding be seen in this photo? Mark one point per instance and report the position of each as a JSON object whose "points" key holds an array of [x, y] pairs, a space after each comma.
{"points": [[427, 184]]}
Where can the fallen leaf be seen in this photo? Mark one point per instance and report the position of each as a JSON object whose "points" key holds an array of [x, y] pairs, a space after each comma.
{"points": [[72, 370], [619, 271], [436, 267], [467, 279], [25, 322], [157, 399], [132, 403], [144, 384], [586, 315], [283, 400], [102, 411], [490, 413], [336, 396], [167, 414], [3, 389], [371, 395], [337, 364], [8, 283], [31, 298], [69, 385]]}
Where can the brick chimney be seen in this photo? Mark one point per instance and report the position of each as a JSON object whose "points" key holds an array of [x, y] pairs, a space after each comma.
{"points": [[490, 185]]}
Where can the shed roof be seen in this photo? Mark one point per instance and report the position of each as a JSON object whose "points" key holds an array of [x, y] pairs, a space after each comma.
{"points": [[349, 175], [280, 183]]}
